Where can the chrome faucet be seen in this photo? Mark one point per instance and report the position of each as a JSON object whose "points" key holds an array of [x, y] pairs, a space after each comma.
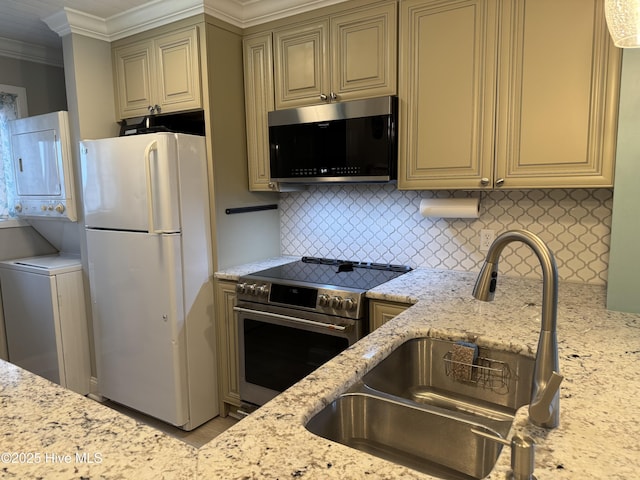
{"points": [[544, 408]]}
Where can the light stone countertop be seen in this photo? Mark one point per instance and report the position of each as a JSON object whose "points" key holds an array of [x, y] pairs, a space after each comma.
{"points": [[49, 432], [600, 398], [234, 273]]}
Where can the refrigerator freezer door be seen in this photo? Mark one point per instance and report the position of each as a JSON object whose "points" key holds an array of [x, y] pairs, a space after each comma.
{"points": [[136, 293], [131, 183]]}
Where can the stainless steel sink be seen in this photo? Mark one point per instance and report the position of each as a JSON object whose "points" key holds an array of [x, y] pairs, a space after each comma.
{"points": [[420, 369], [410, 410]]}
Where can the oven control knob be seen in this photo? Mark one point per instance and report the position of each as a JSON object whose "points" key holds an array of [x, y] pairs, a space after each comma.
{"points": [[323, 300], [251, 289], [349, 303], [240, 287], [336, 302], [262, 291]]}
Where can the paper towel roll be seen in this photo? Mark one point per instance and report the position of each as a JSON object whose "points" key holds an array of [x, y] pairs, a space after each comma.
{"points": [[450, 207]]}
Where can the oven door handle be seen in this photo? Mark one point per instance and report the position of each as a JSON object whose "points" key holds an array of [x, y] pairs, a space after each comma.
{"points": [[330, 326]]}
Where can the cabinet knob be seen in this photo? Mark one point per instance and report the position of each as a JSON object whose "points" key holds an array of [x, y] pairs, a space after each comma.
{"points": [[334, 96], [499, 182], [323, 97], [272, 185], [484, 181]]}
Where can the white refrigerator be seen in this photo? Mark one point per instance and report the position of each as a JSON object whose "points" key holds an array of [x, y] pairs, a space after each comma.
{"points": [[146, 212]]}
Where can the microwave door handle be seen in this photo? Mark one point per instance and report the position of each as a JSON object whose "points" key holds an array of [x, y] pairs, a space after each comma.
{"points": [[147, 161], [330, 326]]}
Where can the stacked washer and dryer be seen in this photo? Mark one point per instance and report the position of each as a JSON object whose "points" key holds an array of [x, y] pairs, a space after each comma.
{"points": [[42, 298]]}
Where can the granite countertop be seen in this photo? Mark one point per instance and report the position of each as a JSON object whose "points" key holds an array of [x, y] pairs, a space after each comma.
{"points": [[600, 398], [49, 432]]}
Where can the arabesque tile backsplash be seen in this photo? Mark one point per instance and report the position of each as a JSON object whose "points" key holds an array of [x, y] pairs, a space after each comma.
{"points": [[379, 223]]}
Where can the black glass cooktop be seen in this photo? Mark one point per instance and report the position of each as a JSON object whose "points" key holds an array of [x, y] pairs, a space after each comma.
{"points": [[333, 273]]}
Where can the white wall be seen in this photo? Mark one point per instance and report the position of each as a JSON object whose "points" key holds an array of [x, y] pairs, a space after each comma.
{"points": [[44, 84], [624, 266], [18, 242]]}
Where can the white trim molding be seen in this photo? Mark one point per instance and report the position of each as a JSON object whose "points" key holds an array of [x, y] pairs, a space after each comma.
{"points": [[241, 13], [30, 52]]}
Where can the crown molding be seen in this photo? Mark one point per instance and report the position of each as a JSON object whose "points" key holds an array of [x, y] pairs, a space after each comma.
{"points": [[248, 13], [30, 52], [68, 21], [151, 15], [240, 13]]}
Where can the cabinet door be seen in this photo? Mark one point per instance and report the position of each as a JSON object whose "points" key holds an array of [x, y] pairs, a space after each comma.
{"points": [[178, 71], [258, 90], [447, 93], [558, 89], [363, 53], [134, 90], [227, 335], [381, 312], [301, 65]]}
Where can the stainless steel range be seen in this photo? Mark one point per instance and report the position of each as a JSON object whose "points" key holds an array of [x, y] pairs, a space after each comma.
{"points": [[294, 317]]}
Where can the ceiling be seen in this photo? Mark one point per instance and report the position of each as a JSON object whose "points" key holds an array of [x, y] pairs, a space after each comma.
{"points": [[31, 29]]}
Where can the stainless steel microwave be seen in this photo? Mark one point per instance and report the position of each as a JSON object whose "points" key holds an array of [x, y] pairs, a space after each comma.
{"points": [[345, 142]]}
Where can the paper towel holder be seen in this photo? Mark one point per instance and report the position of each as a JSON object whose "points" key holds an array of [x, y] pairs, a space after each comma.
{"points": [[468, 207]]}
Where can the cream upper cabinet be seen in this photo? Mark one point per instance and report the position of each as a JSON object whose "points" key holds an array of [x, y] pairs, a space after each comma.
{"points": [[447, 78], [178, 71], [342, 57], [301, 73], [258, 88], [132, 66], [559, 96], [521, 94], [158, 75]]}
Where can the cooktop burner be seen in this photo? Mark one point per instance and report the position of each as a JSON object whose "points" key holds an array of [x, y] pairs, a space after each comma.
{"points": [[332, 272]]}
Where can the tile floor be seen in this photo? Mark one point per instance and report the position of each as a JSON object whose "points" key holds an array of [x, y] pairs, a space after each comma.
{"points": [[197, 437]]}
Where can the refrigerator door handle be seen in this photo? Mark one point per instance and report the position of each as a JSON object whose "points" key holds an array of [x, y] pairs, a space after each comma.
{"points": [[147, 159]]}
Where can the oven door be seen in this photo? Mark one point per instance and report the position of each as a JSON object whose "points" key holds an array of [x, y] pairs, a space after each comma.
{"points": [[279, 346]]}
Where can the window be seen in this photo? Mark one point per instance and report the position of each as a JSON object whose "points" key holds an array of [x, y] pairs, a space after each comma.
{"points": [[13, 104]]}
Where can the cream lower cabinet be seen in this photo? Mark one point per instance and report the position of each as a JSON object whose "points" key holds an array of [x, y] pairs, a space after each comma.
{"points": [[342, 57], [380, 312], [158, 75], [515, 94], [227, 335]]}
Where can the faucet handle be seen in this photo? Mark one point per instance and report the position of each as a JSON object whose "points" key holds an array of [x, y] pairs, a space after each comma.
{"points": [[542, 409], [522, 454]]}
